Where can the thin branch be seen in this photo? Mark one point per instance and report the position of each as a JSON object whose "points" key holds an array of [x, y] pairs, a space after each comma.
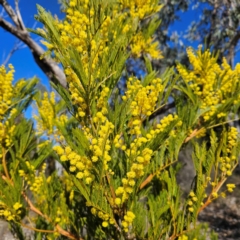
{"points": [[34, 209], [19, 16], [17, 46], [34, 25], [162, 110], [36, 229], [2, 13], [58, 228], [150, 176], [10, 12]]}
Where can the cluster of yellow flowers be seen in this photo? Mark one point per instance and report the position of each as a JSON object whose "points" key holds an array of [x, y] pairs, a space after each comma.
{"points": [[91, 38], [215, 194], [232, 139], [47, 116], [184, 237], [76, 97], [141, 45], [140, 159], [45, 122], [230, 187], [138, 156], [132, 152], [73, 30], [77, 32], [102, 100], [6, 133], [141, 8], [143, 99], [127, 222], [166, 121], [10, 214], [227, 163], [137, 142], [209, 81], [6, 95], [192, 199], [6, 89], [80, 165], [104, 216], [101, 145], [33, 179], [81, 32]]}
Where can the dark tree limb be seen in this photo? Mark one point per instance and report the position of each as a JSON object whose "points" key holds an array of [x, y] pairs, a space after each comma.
{"points": [[48, 66]]}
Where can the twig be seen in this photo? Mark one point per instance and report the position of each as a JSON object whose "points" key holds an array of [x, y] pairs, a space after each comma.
{"points": [[216, 189], [59, 229], [150, 177], [34, 209], [18, 45], [20, 21], [10, 12], [36, 229], [2, 13], [111, 187], [161, 110], [192, 135]]}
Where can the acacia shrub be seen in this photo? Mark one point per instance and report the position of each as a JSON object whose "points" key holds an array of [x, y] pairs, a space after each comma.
{"points": [[119, 178]]}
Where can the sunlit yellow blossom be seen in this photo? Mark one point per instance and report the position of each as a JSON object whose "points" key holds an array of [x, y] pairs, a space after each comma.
{"points": [[6, 97], [230, 187], [214, 194], [47, 114], [6, 89], [144, 100], [183, 237], [17, 205], [209, 81], [141, 8], [128, 219], [141, 45]]}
